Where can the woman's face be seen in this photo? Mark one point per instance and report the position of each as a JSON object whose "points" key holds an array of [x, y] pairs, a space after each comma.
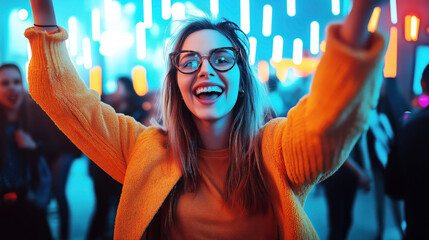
{"points": [[11, 88], [209, 94]]}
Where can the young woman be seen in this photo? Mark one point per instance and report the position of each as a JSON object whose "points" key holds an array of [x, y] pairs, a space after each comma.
{"points": [[214, 171]]}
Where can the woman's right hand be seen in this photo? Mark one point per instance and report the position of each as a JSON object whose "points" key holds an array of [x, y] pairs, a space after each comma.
{"points": [[43, 14]]}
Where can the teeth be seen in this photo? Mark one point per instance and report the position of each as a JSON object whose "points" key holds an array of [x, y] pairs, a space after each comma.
{"points": [[208, 89]]}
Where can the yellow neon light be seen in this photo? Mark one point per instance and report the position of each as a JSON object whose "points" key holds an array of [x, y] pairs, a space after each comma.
{"points": [[391, 57], [373, 22], [140, 80], [95, 80]]}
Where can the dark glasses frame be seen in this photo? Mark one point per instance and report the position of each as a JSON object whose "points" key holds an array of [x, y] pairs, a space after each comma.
{"points": [[174, 55]]}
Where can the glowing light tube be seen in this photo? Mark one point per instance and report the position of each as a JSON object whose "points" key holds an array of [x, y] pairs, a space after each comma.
{"points": [[291, 10], [214, 7], [96, 32], [277, 48], [297, 51], [252, 55], [314, 37], [335, 7], [73, 36], [95, 81], [245, 16], [141, 40], [267, 19], [87, 59], [373, 21], [166, 9], [393, 12], [147, 13], [140, 80], [390, 59]]}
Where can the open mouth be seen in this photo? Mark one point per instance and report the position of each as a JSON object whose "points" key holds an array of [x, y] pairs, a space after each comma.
{"points": [[208, 92]]}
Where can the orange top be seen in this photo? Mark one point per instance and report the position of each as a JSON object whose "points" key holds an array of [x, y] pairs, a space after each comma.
{"points": [[297, 152], [205, 215]]}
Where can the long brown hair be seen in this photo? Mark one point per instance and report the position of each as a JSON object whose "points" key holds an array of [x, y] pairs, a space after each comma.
{"points": [[244, 186]]}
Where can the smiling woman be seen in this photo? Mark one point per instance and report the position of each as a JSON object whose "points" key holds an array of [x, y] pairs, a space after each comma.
{"points": [[213, 171]]}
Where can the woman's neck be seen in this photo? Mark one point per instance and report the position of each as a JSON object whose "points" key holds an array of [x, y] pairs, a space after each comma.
{"points": [[214, 134]]}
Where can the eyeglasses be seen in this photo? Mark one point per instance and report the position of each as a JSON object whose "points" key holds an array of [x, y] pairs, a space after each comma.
{"points": [[221, 59]]}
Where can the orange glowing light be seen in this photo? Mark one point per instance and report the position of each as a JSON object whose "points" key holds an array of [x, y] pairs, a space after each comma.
{"points": [[411, 28], [263, 71], [391, 57], [373, 22], [308, 66], [140, 80], [95, 81], [323, 46]]}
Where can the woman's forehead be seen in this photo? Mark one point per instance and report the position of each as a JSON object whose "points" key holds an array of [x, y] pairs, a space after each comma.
{"points": [[203, 41]]}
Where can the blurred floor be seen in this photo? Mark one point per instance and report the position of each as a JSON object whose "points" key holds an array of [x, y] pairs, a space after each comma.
{"points": [[81, 197]]}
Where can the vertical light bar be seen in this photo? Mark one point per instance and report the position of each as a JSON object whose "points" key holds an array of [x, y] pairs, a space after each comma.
{"points": [[166, 9], [147, 12], [314, 37], [252, 55], [291, 9], [87, 59], [297, 51], [178, 11], [214, 7], [373, 21], [95, 81], [141, 40], [245, 16], [263, 71], [267, 19], [96, 25], [390, 59], [393, 12], [73, 36], [29, 51], [346, 7], [140, 80], [335, 7], [277, 48], [411, 28]]}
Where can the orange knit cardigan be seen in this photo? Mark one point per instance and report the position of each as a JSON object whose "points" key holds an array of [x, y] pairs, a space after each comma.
{"points": [[298, 152]]}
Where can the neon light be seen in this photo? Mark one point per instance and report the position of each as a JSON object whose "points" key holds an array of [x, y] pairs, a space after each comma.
{"points": [[23, 14], [373, 21], [95, 81], [214, 7], [323, 46], [252, 55], [423, 100], [393, 12], [166, 9], [141, 40], [140, 80], [277, 48], [267, 19], [147, 12], [291, 10], [79, 60], [73, 36], [29, 51], [391, 57], [314, 37], [346, 7], [96, 25], [297, 51], [245, 16], [335, 7], [130, 8], [178, 11], [86, 46], [411, 28], [263, 71]]}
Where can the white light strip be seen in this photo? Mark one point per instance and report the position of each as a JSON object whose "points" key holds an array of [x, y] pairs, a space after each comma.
{"points": [[314, 37], [335, 7], [291, 9], [87, 59], [252, 55], [147, 12], [277, 48], [107, 9], [297, 51], [29, 51], [96, 24], [245, 16], [141, 40], [73, 36], [214, 7], [166, 9], [267, 20], [178, 11], [393, 12]]}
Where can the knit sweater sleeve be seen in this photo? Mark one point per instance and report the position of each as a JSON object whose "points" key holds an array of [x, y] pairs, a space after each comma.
{"points": [[323, 127], [105, 137]]}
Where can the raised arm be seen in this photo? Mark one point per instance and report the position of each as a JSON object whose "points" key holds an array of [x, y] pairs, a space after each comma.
{"points": [[105, 137], [321, 130]]}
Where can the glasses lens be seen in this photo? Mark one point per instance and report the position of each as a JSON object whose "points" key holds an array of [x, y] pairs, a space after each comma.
{"points": [[223, 59], [188, 62]]}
